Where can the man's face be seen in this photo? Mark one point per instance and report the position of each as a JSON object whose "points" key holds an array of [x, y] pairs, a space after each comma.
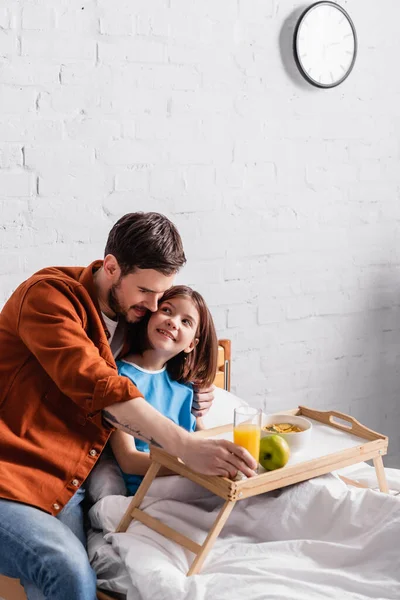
{"points": [[134, 294]]}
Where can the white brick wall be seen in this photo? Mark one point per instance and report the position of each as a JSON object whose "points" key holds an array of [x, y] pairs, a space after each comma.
{"points": [[287, 197]]}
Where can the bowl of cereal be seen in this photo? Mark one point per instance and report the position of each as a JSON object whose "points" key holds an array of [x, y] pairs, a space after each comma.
{"points": [[295, 430]]}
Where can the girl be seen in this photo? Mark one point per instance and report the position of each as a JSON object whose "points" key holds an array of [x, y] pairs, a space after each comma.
{"points": [[175, 346]]}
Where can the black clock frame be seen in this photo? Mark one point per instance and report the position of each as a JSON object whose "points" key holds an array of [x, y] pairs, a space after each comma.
{"points": [[297, 59]]}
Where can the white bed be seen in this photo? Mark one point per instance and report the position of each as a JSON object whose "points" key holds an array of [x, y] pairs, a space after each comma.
{"points": [[317, 539]]}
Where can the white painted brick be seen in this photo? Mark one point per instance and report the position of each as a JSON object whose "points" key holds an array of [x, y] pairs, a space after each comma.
{"points": [[270, 310], [66, 101], [85, 73], [187, 52], [57, 46], [45, 130], [158, 24], [202, 153], [17, 100], [13, 216], [168, 76], [199, 103], [256, 10], [219, 318], [186, 27], [242, 316], [279, 357], [231, 176], [127, 152], [40, 18], [132, 180], [132, 50], [199, 273], [166, 182], [245, 363], [10, 156], [15, 184], [4, 18], [165, 127], [201, 235], [140, 6], [12, 265], [99, 131], [197, 201], [374, 149], [371, 170], [116, 22], [228, 293], [8, 43], [80, 182], [12, 129], [199, 177], [117, 204], [82, 19], [328, 281], [245, 268], [26, 72], [69, 155], [71, 211], [134, 101], [225, 9]]}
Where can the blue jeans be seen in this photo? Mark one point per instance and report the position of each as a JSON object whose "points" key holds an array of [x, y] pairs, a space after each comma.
{"points": [[46, 553]]}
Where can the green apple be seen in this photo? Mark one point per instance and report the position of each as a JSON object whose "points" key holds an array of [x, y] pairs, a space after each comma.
{"points": [[274, 452]]}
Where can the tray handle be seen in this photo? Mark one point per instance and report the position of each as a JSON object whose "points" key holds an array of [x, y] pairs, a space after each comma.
{"points": [[341, 421]]}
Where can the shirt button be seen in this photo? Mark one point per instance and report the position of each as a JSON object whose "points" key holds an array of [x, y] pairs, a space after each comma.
{"points": [[56, 506], [93, 452], [75, 482]]}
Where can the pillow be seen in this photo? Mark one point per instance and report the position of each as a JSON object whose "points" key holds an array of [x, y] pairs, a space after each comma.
{"points": [[106, 479], [221, 411]]}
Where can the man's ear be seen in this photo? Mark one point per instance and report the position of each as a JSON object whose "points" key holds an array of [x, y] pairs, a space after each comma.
{"points": [[191, 346], [111, 268]]}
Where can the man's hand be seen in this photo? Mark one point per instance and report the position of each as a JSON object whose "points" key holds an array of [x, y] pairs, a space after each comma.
{"points": [[217, 457], [202, 401]]}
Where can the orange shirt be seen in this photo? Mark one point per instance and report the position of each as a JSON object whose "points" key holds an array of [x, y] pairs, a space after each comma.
{"points": [[57, 373]]}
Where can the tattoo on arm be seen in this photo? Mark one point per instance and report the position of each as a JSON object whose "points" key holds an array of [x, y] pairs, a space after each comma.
{"points": [[129, 429]]}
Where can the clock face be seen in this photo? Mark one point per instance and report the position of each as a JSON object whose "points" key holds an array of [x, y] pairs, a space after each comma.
{"points": [[325, 44]]}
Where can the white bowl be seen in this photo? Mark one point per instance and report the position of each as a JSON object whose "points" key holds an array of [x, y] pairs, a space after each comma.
{"points": [[296, 440]]}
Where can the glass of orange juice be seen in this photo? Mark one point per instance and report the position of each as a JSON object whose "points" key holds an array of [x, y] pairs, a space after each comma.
{"points": [[247, 428]]}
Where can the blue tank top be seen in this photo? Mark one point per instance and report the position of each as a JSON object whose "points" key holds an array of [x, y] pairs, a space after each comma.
{"points": [[172, 399]]}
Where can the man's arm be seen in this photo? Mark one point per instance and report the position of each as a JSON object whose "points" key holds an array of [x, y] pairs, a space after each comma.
{"points": [[52, 326], [208, 456], [131, 460]]}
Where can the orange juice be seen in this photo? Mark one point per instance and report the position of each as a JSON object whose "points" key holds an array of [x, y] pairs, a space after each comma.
{"points": [[248, 436]]}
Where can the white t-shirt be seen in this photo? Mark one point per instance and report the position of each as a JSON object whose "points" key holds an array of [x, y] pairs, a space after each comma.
{"points": [[116, 330]]}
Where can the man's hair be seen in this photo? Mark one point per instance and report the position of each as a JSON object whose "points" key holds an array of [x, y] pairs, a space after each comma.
{"points": [[146, 241], [198, 366]]}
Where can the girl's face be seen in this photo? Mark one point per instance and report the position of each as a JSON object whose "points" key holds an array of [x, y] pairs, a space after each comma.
{"points": [[173, 327]]}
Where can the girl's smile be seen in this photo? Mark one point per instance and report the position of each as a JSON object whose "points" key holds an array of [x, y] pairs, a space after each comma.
{"points": [[166, 334]]}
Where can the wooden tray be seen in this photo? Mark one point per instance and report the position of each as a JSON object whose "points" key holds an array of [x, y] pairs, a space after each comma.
{"points": [[338, 441]]}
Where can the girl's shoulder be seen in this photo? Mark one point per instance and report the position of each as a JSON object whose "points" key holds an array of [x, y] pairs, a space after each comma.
{"points": [[180, 384], [125, 365]]}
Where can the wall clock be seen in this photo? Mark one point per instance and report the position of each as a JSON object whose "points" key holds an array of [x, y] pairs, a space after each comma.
{"points": [[325, 44]]}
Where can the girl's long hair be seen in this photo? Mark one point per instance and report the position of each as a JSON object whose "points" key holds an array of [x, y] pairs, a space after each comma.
{"points": [[200, 365]]}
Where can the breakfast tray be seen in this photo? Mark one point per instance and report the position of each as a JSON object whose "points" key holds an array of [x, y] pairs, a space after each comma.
{"points": [[337, 441]]}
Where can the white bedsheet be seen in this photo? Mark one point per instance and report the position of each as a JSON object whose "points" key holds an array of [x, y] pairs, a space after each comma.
{"points": [[318, 539]]}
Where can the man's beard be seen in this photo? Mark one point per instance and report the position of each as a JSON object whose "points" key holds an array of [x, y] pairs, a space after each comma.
{"points": [[116, 307], [113, 302]]}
